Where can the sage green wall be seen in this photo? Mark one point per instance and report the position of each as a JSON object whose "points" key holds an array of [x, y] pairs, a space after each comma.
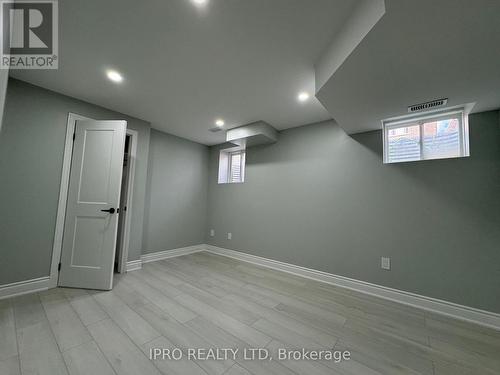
{"points": [[31, 156], [176, 208], [322, 199], [317, 198]]}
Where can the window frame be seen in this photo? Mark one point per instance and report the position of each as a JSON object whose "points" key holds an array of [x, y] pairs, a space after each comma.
{"points": [[420, 119], [225, 172]]}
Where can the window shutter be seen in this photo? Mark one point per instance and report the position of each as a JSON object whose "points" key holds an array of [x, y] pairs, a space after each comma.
{"points": [[235, 174]]}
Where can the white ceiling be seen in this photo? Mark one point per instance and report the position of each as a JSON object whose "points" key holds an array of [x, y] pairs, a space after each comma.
{"points": [[241, 60], [418, 51]]}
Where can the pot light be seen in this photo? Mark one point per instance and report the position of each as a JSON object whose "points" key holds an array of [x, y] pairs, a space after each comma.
{"points": [[114, 76], [199, 2], [219, 122], [303, 96]]}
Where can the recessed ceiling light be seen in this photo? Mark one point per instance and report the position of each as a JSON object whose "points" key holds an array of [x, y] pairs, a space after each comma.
{"points": [[219, 122], [114, 76], [303, 96], [199, 2]]}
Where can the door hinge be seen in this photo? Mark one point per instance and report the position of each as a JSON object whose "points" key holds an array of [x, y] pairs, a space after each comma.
{"points": [[59, 266]]}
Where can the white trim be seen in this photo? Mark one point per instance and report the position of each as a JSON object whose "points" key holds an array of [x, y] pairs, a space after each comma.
{"points": [[453, 310], [63, 197], [24, 287], [122, 262], [465, 313], [134, 265], [160, 255], [414, 119]]}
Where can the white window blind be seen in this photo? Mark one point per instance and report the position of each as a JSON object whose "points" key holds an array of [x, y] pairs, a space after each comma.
{"points": [[428, 136], [236, 167], [231, 167], [404, 144]]}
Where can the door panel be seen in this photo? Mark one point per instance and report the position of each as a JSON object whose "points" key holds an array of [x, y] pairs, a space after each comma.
{"points": [[84, 235], [97, 148], [89, 238]]}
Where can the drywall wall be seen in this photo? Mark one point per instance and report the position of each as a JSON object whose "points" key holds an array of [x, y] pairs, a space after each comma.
{"points": [[176, 200], [324, 200], [31, 156]]}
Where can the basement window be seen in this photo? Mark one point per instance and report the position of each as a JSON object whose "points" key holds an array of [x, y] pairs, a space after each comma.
{"points": [[231, 167], [427, 136]]}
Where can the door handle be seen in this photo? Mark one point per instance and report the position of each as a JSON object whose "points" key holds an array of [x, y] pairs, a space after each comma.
{"points": [[111, 210]]}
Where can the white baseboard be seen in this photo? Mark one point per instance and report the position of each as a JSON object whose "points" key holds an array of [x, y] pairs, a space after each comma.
{"points": [[465, 313], [160, 255], [24, 287], [134, 265]]}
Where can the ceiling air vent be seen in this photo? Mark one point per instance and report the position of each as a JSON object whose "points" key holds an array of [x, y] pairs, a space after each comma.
{"points": [[428, 105], [215, 129]]}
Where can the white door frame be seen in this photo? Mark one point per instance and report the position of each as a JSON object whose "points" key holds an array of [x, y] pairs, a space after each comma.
{"points": [[125, 243], [63, 196]]}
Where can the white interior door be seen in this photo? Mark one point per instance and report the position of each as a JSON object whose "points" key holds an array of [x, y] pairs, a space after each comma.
{"points": [[89, 238]]}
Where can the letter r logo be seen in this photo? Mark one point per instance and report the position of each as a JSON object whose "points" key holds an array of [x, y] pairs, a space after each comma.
{"points": [[28, 27]]}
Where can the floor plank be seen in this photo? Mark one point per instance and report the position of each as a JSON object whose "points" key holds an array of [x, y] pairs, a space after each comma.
{"points": [[156, 296], [8, 340], [85, 306], [125, 357], [139, 330], [67, 327], [237, 370], [273, 315], [10, 366], [87, 359], [180, 335], [208, 301], [250, 335], [28, 310], [236, 311], [39, 353]]}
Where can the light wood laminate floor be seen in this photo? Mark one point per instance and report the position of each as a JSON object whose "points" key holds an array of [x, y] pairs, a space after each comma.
{"points": [[208, 301]]}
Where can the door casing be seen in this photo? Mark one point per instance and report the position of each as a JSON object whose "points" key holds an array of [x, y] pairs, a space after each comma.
{"points": [[123, 256]]}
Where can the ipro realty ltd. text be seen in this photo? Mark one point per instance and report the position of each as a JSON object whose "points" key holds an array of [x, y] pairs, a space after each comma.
{"points": [[248, 354]]}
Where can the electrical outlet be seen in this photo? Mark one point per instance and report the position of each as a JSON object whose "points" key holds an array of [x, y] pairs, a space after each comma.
{"points": [[385, 263], [229, 236], [212, 232]]}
